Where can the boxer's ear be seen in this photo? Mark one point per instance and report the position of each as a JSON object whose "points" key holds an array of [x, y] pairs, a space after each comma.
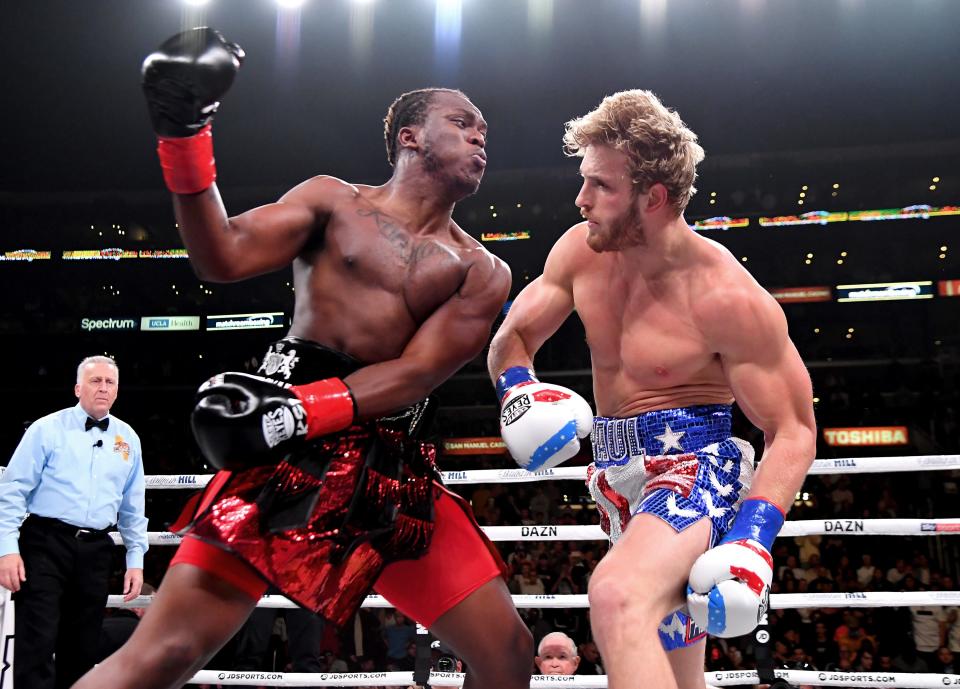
{"points": [[657, 198], [409, 137]]}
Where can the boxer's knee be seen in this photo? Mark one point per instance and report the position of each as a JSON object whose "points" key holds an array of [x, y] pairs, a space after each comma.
{"points": [[509, 663], [618, 590], [518, 651], [170, 657]]}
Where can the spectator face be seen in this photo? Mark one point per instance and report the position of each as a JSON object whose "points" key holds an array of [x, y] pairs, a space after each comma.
{"points": [[866, 660], [945, 656], [557, 656]]}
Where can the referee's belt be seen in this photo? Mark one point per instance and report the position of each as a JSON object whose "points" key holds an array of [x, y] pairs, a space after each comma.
{"points": [[80, 533]]}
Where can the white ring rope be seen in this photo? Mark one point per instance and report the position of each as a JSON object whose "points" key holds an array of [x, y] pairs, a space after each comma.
{"points": [[822, 678], [849, 465], [803, 527], [778, 601], [880, 527]]}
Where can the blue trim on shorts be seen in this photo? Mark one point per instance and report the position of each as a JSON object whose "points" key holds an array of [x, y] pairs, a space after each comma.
{"points": [[617, 440]]}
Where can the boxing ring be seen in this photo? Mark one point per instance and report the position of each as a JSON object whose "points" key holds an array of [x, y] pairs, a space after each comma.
{"points": [[809, 527]]}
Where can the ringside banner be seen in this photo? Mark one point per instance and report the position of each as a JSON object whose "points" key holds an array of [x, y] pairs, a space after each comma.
{"points": [[245, 321]]}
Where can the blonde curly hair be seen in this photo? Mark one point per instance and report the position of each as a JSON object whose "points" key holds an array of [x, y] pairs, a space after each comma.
{"points": [[659, 146]]}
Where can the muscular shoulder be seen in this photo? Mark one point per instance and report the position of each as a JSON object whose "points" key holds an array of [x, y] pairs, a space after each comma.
{"points": [[488, 278], [570, 256], [730, 304], [322, 192]]}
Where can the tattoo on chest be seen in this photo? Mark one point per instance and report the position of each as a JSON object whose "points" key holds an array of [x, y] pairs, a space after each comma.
{"points": [[410, 252]]}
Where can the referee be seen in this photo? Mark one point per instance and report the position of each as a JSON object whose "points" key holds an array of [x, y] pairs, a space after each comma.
{"points": [[76, 472]]}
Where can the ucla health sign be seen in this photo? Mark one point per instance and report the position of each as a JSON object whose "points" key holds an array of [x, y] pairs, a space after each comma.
{"points": [[170, 323]]}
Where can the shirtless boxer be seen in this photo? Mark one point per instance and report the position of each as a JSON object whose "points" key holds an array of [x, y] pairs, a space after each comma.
{"points": [[325, 489], [677, 330]]}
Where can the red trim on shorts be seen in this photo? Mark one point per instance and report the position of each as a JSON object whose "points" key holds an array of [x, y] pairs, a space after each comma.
{"points": [[221, 564], [459, 561]]}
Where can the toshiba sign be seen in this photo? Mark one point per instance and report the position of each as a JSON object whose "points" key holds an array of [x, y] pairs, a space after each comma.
{"points": [[866, 436]]}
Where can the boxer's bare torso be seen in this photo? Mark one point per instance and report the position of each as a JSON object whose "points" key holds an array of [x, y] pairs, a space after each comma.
{"points": [[366, 280], [650, 337]]}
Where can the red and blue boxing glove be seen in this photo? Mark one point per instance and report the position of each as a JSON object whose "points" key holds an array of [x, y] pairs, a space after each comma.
{"points": [[541, 424], [183, 82], [729, 584], [241, 420]]}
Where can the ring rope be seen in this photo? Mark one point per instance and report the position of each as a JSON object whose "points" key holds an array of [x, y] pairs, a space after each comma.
{"points": [[849, 465], [778, 601], [578, 532], [451, 679]]}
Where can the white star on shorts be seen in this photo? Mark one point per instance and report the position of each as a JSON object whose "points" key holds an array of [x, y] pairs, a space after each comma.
{"points": [[670, 440]]}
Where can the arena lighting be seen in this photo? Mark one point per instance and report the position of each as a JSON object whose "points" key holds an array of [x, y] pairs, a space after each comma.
{"points": [[196, 3], [291, 4]]}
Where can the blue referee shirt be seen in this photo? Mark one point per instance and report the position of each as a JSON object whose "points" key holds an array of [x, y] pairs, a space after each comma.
{"points": [[59, 471]]}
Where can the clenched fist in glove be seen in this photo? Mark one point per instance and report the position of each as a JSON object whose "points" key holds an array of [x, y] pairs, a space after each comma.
{"points": [[541, 424], [729, 584], [241, 420], [183, 82]]}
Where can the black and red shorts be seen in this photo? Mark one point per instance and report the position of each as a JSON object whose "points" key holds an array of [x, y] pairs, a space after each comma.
{"points": [[356, 510]]}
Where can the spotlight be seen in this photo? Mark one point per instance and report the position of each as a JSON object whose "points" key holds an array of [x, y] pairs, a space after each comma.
{"points": [[290, 4]]}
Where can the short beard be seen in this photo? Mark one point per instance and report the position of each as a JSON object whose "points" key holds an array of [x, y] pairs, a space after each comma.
{"points": [[625, 232]]}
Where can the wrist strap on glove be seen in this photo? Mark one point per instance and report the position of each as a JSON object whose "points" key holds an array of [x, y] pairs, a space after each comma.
{"points": [[759, 520], [329, 405], [187, 162], [515, 375]]}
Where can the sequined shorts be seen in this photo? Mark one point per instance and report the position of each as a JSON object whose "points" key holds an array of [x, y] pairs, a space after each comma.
{"points": [[680, 465]]}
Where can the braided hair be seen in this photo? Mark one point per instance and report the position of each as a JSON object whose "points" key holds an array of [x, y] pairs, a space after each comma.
{"points": [[409, 109]]}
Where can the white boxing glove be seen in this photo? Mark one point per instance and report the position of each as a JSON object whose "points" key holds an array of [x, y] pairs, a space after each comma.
{"points": [[729, 585], [541, 424]]}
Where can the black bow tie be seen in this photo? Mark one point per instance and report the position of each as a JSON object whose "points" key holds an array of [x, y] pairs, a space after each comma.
{"points": [[101, 424]]}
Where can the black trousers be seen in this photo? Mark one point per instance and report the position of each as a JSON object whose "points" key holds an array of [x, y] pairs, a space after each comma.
{"points": [[59, 608]]}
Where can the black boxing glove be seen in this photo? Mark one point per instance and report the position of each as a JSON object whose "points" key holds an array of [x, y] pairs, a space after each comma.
{"points": [[242, 420], [183, 82]]}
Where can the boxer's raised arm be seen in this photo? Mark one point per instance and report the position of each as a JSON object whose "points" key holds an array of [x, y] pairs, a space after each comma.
{"points": [[537, 312], [262, 240], [183, 82]]}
